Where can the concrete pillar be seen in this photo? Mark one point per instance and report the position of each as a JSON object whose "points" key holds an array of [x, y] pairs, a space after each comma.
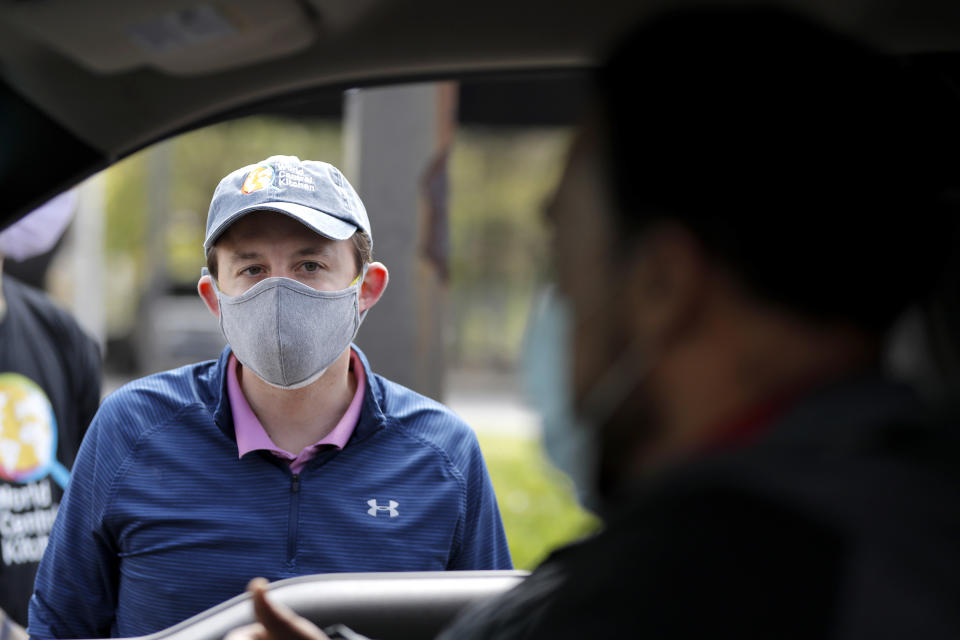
{"points": [[89, 279], [159, 320], [159, 187], [395, 144]]}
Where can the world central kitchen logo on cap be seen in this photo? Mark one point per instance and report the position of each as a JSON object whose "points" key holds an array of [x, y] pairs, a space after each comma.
{"points": [[257, 179]]}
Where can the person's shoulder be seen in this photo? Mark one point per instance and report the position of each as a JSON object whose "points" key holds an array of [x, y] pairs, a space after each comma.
{"points": [[141, 417], [707, 548], [669, 552], [158, 398], [40, 306], [426, 419], [23, 291], [735, 512], [405, 404], [61, 327]]}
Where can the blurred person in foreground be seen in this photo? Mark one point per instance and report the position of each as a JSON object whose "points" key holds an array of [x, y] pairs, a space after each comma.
{"points": [[753, 203], [49, 391], [287, 456]]}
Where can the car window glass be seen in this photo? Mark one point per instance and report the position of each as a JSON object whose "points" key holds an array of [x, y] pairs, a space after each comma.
{"points": [[147, 214]]}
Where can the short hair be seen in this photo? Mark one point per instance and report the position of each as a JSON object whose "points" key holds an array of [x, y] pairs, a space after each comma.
{"points": [[815, 168], [362, 248]]}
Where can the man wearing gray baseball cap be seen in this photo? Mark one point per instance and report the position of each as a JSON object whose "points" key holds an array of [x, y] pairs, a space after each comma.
{"points": [[286, 456]]}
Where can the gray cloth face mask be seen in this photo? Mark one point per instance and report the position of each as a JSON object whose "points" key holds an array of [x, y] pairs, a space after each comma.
{"points": [[289, 333]]}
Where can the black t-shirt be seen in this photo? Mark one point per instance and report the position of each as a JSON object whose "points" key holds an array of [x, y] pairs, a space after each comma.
{"points": [[49, 391]]}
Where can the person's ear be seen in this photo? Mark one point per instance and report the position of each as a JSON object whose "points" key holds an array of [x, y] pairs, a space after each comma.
{"points": [[663, 285], [374, 283], [208, 295]]}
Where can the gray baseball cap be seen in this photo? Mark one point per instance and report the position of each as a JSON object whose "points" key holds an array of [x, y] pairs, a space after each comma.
{"points": [[315, 193]]}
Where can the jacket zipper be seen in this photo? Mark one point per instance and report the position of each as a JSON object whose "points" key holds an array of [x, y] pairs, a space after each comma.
{"points": [[293, 523]]}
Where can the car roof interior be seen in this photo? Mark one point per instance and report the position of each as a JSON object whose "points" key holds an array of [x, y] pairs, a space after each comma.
{"points": [[99, 79]]}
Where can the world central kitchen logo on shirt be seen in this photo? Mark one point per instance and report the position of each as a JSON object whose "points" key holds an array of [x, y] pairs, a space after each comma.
{"points": [[28, 449], [28, 432]]}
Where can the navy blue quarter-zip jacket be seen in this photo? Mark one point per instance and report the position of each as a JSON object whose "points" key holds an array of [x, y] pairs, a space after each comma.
{"points": [[163, 520]]}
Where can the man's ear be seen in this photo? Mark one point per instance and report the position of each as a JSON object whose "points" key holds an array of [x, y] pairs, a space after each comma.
{"points": [[208, 295], [664, 284], [374, 284]]}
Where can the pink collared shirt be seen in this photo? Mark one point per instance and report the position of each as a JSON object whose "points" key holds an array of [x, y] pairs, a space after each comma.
{"points": [[251, 436]]}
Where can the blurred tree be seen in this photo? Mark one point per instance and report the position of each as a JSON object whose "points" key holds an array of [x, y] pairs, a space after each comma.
{"points": [[500, 182]]}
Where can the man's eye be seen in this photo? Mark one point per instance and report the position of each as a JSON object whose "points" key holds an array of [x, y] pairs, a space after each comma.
{"points": [[252, 271], [311, 267]]}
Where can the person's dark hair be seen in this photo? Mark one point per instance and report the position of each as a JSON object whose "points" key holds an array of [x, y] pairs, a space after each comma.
{"points": [[362, 248], [818, 170]]}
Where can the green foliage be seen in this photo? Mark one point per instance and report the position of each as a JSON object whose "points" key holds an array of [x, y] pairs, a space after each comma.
{"points": [[126, 205], [536, 501], [500, 183]]}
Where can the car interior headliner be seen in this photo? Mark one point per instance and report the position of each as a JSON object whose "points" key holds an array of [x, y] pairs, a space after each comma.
{"points": [[83, 83]]}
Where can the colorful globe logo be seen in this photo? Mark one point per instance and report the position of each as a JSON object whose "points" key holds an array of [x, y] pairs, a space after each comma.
{"points": [[259, 178], [28, 432]]}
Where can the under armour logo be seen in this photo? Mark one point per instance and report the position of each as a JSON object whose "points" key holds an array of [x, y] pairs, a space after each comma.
{"points": [[376, 508]]}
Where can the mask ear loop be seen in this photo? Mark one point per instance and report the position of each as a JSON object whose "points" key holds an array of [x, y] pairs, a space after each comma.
{"points": [[359, 279], [616, 383]]}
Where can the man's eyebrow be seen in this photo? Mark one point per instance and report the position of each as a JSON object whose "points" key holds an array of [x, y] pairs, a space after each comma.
{"points": [[245, 255], [318, 250]]}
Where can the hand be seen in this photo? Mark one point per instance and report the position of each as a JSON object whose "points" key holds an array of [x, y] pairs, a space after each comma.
{"points": [[274, 620]]}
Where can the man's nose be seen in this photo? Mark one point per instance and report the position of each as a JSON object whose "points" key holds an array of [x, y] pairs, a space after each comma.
{"points": [[282, 271]]}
